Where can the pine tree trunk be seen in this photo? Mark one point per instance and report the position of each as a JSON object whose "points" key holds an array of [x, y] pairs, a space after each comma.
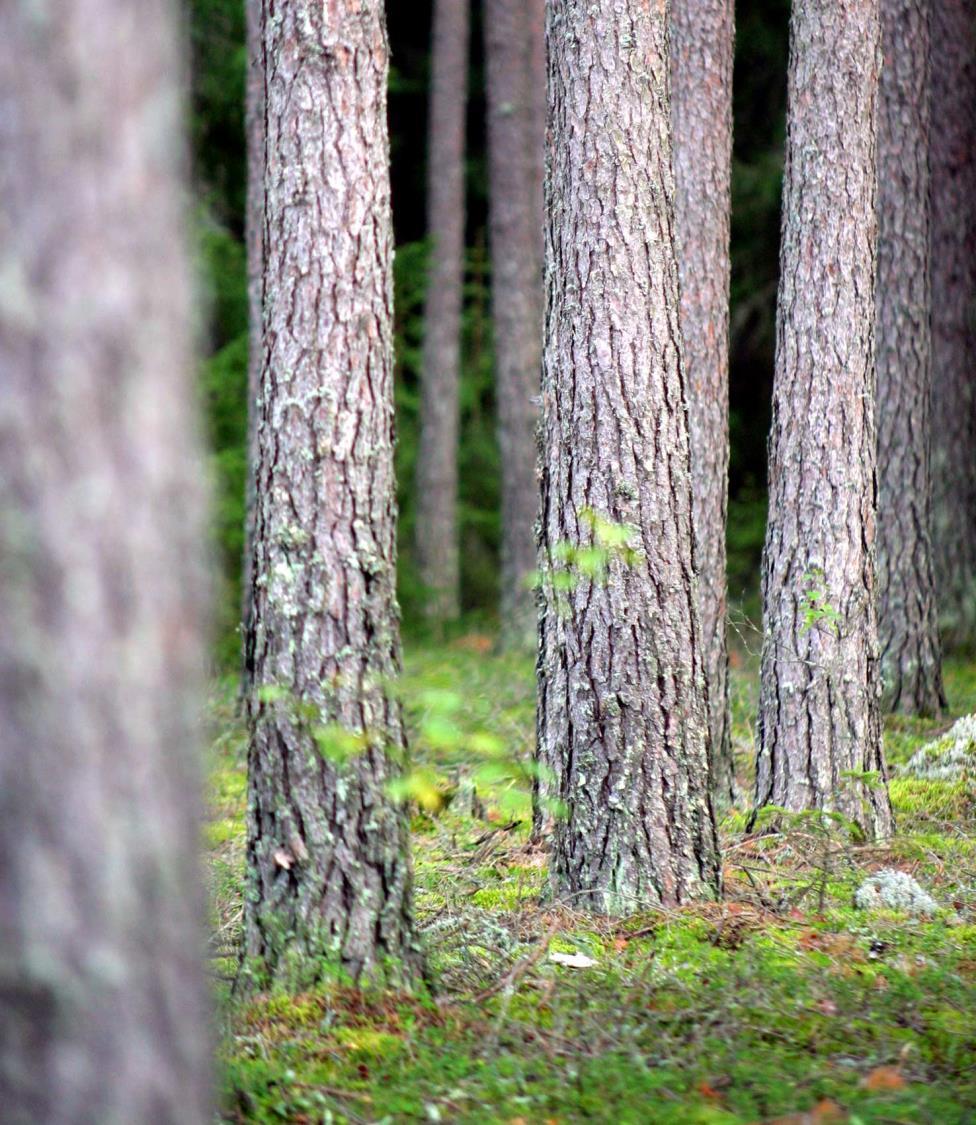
{"points": [[953, 188], [820, 683], [702, 33], [911, 659], [328, 872], [515, 162], [436, 541], [254, 237], [622, 717], [103, 1002]]}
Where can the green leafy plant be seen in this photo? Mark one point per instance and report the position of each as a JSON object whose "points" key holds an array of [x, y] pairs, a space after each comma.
{"points": [[818, 613]]}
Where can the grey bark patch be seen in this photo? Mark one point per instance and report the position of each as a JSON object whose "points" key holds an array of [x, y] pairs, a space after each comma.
{"points": [[104, 1007]]}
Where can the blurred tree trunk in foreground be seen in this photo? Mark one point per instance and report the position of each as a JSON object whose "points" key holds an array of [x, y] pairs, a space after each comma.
{"points": [[953, 171], [436, 539], [103, 1002], [254, 238], [515, 73], [702, 33], [622, 720], [328, 872], [911, 658], [819, 714]]}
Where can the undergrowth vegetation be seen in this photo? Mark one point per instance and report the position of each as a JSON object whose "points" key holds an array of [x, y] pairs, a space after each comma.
{"points": [[783, 1002]]}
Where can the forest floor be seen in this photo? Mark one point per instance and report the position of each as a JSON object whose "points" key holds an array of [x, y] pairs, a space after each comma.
{"points": [[780, 1003]]}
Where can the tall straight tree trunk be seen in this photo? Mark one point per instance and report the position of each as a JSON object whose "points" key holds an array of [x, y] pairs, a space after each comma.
{"points": [[953, 170], [515, 71], [254, 237], [328, 870], [702, 34], [436, 540], [622, 723], [911, 658], [819, 712], [103, 1003]]}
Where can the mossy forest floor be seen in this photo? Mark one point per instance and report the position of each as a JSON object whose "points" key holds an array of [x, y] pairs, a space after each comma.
{"points": [[780, 1003]]}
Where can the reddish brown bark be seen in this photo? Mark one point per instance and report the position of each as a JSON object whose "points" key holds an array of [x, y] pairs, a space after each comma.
{"points": [[953, 188], [702, 33], [819, 717], [911, 658], [514, 79], [436, 541]]}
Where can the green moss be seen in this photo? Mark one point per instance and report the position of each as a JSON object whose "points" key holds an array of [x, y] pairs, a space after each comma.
{"points": [[918, 801], [366, 1043], [728, 1013], [219, 832], [505, 896]]}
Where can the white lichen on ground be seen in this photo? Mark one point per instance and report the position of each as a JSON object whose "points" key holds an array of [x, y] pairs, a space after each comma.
{"points": [[894, 890], [951, 756]]}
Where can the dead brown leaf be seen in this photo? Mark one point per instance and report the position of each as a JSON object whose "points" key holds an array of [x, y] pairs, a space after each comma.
{"points": [[884, 1078], [825, 1112]]}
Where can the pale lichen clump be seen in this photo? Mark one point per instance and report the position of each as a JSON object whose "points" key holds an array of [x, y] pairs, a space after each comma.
{"points": [[894, 890], [949, 757]]}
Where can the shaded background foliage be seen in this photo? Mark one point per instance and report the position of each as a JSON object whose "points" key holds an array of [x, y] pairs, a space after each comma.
{"points": [[218, 71]]}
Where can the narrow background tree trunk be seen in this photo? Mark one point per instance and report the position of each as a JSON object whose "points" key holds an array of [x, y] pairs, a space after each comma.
{"points": [[328, 873], [953, 170], [254, 238], [702, 33], [819, 712], [103, 1004], [622, 716], [515, 162], [911, 658], [436, 540]]}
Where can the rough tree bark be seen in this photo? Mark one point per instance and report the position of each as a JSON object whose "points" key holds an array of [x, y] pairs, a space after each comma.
{"points": [[911, 658], [819, 698], [622, 720], [515, 72], [953, 188], [436, 540], [103, 1004], [254, 238], [702, 34], [328, 870]]}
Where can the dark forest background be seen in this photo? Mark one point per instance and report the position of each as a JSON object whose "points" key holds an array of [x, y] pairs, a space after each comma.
{"points": [[219, 63]]}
